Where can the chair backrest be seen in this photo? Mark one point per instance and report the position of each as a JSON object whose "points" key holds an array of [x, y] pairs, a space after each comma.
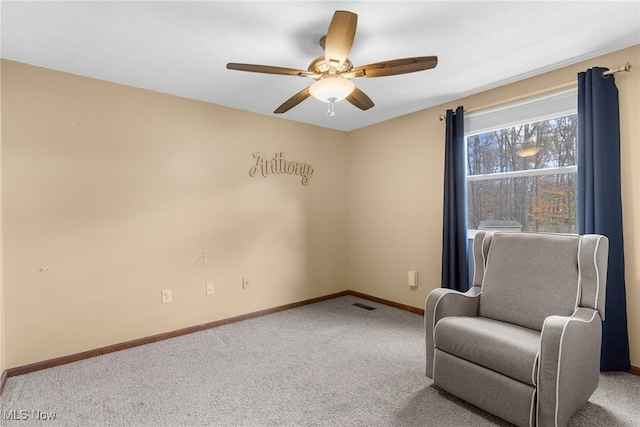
{"points": [[526, 277]]}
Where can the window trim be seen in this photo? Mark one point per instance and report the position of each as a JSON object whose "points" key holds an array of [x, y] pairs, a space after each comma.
{"points": [[523, 173], [537, 109]]}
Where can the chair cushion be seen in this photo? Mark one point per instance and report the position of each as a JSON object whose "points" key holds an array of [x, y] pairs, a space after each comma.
{"points": [[529, 277], [502, 347]]}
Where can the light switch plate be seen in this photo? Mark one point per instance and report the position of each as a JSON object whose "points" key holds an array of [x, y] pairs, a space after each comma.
{"points": [[413, 279]]}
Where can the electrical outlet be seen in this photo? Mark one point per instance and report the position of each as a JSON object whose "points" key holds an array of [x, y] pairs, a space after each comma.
{"points": [[166, 296], [210, 289], [245, 283]]}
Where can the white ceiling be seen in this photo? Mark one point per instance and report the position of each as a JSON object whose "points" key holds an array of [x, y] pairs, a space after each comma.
{"points": [[182, 47]]}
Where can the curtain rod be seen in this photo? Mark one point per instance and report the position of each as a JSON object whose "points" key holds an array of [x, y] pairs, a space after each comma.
{"points": [[625, 67]]}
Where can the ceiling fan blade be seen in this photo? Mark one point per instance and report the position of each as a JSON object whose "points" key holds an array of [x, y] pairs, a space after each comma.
{"points": [[268, 69], [360, 99], [293, 101], [340, 35], [396, 66]]}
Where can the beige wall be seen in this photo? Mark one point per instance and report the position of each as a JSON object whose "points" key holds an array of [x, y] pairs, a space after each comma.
{"points": [[395, 191], [118, 191], [395, 208]]}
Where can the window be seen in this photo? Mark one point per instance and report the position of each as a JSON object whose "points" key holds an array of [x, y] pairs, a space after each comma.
{"points": [[521, 164]]}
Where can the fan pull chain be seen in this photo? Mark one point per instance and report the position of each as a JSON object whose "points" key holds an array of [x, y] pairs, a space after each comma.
{"points": [[330, 111]]}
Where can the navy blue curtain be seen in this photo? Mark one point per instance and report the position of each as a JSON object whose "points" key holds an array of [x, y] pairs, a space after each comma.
{"points": [[455, 273], [600, 202]]}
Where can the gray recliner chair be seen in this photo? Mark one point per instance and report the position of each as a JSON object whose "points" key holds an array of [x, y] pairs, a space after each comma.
{"points": [[524, 342]]}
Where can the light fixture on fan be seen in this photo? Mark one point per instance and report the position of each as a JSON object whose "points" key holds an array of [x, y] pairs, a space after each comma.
{"points": [[527, 149], [331, 88]]}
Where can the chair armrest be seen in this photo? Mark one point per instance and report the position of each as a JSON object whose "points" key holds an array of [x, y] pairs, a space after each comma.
{"points": [[443, 302], [569, 364]]}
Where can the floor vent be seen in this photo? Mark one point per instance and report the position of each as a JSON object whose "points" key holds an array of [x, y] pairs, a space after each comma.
{"points": [[366, 307]]}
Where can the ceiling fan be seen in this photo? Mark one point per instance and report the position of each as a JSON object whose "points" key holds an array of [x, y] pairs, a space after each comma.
{"points": [[333, 72]]}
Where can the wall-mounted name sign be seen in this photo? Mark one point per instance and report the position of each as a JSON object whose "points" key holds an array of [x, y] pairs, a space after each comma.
{"points": [[278, 165]]}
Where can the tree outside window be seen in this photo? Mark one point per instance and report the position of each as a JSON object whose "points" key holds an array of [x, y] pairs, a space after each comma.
{"points": [[525, 173]]}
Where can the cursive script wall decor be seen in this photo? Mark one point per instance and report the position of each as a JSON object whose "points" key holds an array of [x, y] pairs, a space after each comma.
{"points": [[278, 165]]}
